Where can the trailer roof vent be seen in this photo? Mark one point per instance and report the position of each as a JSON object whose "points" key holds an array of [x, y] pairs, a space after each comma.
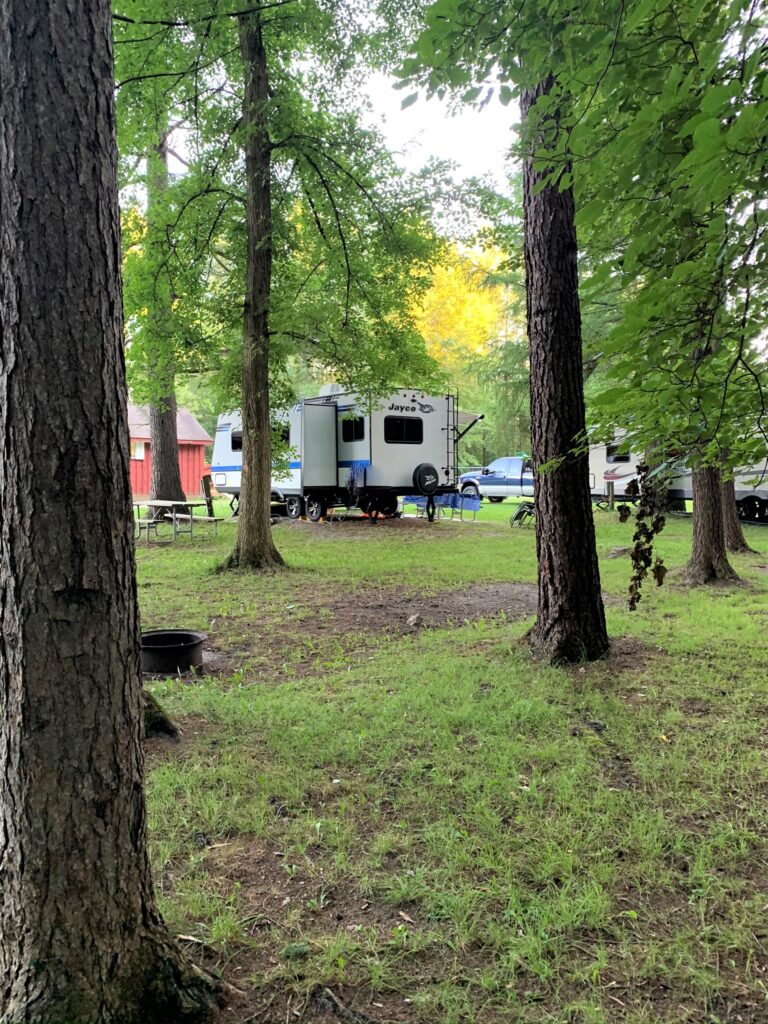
{"points": [[331, 389]]}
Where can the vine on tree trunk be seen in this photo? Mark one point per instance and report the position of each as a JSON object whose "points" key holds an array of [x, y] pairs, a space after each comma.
{"points": [[649, 522]]}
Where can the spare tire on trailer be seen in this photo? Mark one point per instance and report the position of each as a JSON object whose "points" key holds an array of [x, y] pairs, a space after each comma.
{"points": [[425, 478]]}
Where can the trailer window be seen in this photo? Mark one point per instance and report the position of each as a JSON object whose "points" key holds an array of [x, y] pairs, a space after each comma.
{"points": [[237, 440], [353, 430], [612, 454], [403, 430]]}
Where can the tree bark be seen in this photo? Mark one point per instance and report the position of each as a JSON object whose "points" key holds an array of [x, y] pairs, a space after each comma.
{"points": [[164, 440], [570, 624], [255, 548], [709, 560], [82, 940], [734, 535]]}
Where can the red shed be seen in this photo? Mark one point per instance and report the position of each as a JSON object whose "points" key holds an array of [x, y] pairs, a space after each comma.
{"points": [[192, 442]]}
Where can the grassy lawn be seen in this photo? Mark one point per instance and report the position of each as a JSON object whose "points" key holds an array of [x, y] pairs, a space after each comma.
{"points": [[421, 820]]}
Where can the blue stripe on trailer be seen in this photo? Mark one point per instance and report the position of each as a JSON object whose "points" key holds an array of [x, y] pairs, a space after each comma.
{"points": [[294, 465], [226, 469], [347, 463]]}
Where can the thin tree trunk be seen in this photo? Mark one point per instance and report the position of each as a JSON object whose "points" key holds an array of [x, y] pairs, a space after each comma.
{"points": [[570, 623], [734, 535], [255, 548], [709, 560], [82, 940], [164, 440]]}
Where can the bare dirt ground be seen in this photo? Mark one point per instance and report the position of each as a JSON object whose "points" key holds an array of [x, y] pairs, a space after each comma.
{"points": [[358, 616]]}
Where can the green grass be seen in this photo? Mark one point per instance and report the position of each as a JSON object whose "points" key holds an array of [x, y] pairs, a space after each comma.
{"points": [[435, 823]]}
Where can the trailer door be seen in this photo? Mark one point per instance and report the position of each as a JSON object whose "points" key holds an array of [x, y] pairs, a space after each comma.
{"points": [[318, 446]]}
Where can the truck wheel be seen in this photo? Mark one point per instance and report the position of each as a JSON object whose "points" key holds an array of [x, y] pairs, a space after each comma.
{"points": [[470, 491], [496, 500], [293, 506], [316, 509]]}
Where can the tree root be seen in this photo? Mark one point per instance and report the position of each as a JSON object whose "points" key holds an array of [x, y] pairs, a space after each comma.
{"points": [[272, 563], [559, 647], [700, 575], [156, 722]]}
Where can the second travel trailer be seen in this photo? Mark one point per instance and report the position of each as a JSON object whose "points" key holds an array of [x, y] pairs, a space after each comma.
{"points": [[344, 453], [611, 463]]}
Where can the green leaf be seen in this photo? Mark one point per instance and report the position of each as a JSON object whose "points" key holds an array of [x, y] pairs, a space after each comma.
{"points": [[409, 100], [589, 213]]}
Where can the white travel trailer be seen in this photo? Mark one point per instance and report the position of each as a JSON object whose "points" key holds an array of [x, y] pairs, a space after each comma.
{"points": [[609, 463], [343, 453]]}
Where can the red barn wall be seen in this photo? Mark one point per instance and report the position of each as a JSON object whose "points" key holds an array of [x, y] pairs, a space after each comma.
{"points": [[191, 461], [191, 464]]}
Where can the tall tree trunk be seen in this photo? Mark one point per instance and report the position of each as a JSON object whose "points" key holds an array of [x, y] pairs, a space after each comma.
{"points": [[570, 623], [166, 471], [164, 440], [254, 548], [734, 535], [82, 940], [709, 560]]}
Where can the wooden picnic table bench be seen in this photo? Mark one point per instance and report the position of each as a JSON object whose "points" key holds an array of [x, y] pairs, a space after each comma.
{"points": [[169, 511], [177, 513]]}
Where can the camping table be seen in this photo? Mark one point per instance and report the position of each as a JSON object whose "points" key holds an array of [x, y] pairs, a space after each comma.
{"points": [[178, 511], [446, 504]]}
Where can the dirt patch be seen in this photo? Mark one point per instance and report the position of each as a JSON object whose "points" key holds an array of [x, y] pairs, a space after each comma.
{"points": [[363, 528], [193, 730], [315, 625], [388, 609], [626, 654], [286, 908], [695, 706]]}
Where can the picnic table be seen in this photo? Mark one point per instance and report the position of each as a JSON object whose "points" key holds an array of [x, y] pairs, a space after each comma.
{"points": [[177, 513]]}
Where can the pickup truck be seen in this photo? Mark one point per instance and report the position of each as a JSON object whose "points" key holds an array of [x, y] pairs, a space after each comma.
{"points": [[510, 477]]}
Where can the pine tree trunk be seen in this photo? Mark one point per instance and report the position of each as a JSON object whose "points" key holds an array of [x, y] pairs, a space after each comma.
{"points": [[82, 940], [164, 440], [570, 623], [709, 560], [734, 535], [255, 548]]}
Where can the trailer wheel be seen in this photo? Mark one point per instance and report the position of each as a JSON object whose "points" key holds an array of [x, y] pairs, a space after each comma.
{"points": [[293, 506], [750, 509], [385, 504], [316, 509]]}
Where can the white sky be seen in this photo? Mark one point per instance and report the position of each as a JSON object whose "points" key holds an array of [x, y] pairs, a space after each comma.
{"points": [[476, 140]]}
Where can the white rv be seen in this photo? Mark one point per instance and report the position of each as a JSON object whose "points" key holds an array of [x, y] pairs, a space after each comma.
{"points": [[343, 453], [610, 463]]}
